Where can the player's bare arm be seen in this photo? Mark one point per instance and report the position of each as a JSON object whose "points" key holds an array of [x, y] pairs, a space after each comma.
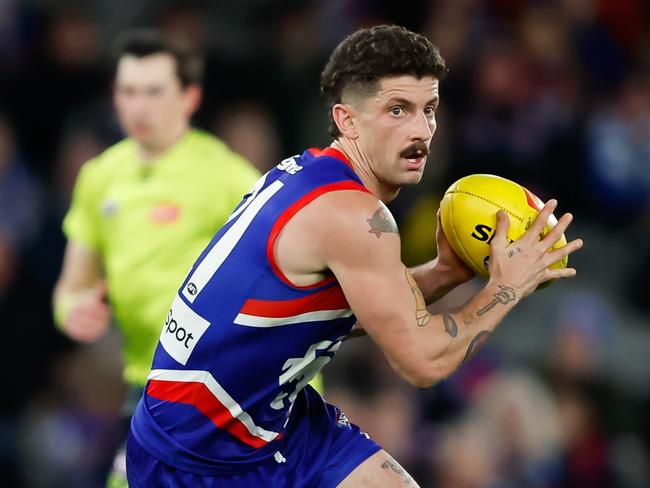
{"points": [[422, 348], [79, 296], [438, 277]]}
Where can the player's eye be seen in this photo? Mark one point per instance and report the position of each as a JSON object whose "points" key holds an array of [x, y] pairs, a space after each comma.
{"points": [[155, 91], [430, 111], [397, 110]]}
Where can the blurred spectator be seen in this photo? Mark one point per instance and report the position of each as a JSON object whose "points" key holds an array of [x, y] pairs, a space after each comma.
{"points": [[586, 459], [513, 432], [76, 148], [583, 335], [618, 152], [19, 204], [69, 432], [15, 19], [516, 122], [248, 129], [64, 74]]}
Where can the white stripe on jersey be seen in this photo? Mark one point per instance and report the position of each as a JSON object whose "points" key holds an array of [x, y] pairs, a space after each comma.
{"points": [[224, 246], [256, 321], [204, 377], [255, 190]]}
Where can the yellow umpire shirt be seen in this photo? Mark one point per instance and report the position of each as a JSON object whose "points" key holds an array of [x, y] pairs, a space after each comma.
{"points": [[149, 224]]}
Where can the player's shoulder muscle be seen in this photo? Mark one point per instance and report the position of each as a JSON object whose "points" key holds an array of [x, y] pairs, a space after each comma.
{"points": [[352, 226]]}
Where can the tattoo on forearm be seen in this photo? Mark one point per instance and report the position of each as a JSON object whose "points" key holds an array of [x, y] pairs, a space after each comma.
{"points": [[422, 315], [506, 295], [394, 466], [478, 341], [450, 325], [382, 222]]}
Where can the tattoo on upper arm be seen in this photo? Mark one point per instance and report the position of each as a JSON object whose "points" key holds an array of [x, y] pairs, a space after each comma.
{"points": [[394, 466], [507, 294], [478, 341], [382, 222], [422, 315], [450, 324]]}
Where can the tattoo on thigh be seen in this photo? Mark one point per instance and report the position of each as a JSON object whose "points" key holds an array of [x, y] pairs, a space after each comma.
{"points": [[394, 466]]}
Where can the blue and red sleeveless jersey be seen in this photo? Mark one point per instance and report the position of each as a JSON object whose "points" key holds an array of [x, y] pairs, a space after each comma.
{"points": [[240, 340]]}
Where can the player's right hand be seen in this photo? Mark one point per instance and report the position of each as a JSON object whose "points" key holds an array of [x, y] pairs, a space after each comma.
{"points": [[90, 315], [524, 264]]}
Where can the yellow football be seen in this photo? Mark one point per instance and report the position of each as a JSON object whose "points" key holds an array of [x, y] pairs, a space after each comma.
{"points": [[469, 214]]}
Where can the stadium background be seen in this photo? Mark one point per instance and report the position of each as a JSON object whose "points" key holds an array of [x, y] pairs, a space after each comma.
{"points": [[554, 94]]}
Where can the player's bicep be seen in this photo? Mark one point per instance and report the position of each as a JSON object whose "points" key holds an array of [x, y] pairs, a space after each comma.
{"points": [[365, 258]]}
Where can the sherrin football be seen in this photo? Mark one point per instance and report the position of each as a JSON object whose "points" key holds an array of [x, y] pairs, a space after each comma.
{"points": [[469, 215]]}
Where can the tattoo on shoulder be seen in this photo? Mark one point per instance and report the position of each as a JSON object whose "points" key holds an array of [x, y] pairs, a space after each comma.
{"points": [[507, 294], [382, 222], [478, 341], [394, 466], [450, 325], [422, 315]]}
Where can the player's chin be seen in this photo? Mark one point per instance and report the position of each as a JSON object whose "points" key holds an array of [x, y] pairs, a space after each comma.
{"points": [[412, 177]]}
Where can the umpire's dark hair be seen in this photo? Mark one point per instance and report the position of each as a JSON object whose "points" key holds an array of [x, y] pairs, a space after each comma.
{"points": [[145, 42], [368, 55]]}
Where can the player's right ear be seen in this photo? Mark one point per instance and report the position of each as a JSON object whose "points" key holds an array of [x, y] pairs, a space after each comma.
{"points": [[343, 115]]}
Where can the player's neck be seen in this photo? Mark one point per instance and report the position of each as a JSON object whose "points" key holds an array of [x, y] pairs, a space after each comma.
{"points": [[150, 152], [362, 167]]}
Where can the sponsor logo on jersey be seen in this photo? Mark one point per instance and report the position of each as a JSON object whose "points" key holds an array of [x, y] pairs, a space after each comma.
{"points": [[110, 207], [165, 213], [289, 165], [191, 288], [182, 330], [343, 421]]}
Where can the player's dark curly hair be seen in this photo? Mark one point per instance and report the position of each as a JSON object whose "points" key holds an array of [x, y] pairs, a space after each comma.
{"points": [[368, 55], [146, 42]]}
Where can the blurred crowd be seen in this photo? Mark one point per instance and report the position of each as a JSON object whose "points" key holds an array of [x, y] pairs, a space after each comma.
{"points": [[554, 94]]}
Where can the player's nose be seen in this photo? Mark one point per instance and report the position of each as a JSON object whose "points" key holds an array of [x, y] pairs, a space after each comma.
{"points": [[423, 128]]}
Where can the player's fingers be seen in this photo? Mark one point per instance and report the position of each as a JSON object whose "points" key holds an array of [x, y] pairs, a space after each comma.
{"points": [[87, 328], [500, 238], [80, 331], [558, 254], [90, 315], [92, 309], [439, 222], [555, 234], [541, 220], [557, 273]]}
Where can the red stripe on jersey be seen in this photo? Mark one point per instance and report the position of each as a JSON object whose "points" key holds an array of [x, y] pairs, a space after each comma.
{"points": [[293, 210], [330, 299], [331, 152], [198, 395]]}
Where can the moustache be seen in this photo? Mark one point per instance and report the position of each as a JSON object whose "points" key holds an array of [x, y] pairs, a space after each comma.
{"points": [[415, 150]]}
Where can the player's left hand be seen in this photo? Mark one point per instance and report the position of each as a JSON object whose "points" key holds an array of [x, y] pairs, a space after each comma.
{"points": [[458, 271]]}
